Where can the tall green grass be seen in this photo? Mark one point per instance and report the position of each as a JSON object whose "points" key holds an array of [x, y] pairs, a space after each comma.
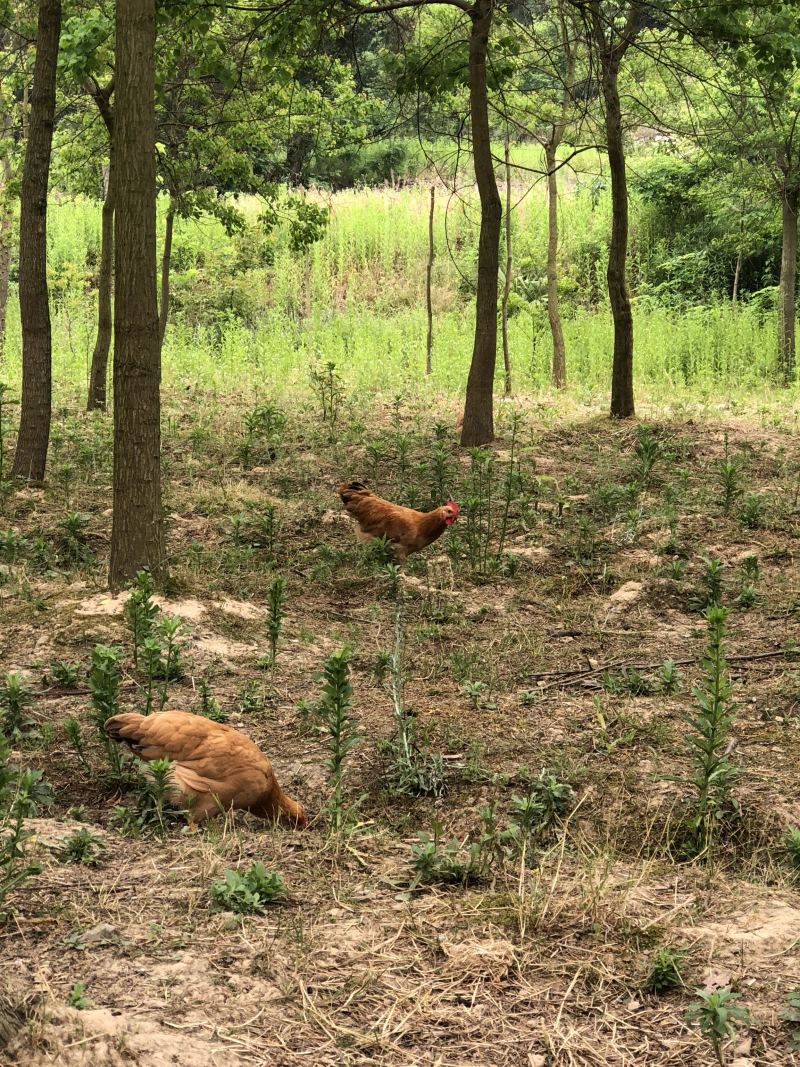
{"points": [[251, 315]]}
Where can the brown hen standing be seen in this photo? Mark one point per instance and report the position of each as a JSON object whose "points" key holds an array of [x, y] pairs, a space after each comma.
{"points": [[214, 767], [407, 529]]}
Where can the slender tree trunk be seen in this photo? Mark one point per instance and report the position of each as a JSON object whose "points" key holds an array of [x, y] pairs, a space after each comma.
{"points": [[137, 533], [5, 249], [788, 287], [166, 259], [428, 295], [507, 279], [622, 402], [736, 275], [559, 368], [30, 458], [98, 375], [478, 428]]}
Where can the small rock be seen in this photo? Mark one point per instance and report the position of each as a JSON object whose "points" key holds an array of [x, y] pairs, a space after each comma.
{"points": [[102, 934], [627, 594]]}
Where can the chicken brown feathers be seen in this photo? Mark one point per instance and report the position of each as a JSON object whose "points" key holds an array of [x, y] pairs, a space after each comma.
{"points": [[408, 530], [214, 767]]}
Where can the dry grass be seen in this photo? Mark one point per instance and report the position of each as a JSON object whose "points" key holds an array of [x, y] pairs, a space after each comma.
{"points": [[539, 964]]}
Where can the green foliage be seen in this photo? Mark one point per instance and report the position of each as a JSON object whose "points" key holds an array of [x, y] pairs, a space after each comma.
{"points": [[709, 587], [790, 1013], [104, 680], [276, 602], [791, 845], [15, 697], [628, 680], [22, 792], [152, 810], [717, 1015], [82, 847], [207, 705], [62, 675], [140, 613], [447, 863], [665, 970], [333, 710], [250, 893], [76, 997], [708, 742]]}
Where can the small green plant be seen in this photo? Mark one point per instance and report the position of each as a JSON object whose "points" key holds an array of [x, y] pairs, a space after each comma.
{"points": [[729, 472], [334, 707], [446, 863], [15, 697], [73, 548], [709, 743], [74, 735], [104, 691], [62, 675], [709, 587], [717, 1015], [276, 604], [140, 613], [790, 1013], [153, 809], [791, 846], [81, 847], [751, 514], [76, 997], [22, 792], [665, 970], [250, 893], [647, 450], [628, 680], [207, 705], [474, 692], [329, 389], [250, 698], [669, 678]]}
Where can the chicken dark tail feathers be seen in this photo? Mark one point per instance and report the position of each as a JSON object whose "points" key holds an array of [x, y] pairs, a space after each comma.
{"points": [[345, 489]]}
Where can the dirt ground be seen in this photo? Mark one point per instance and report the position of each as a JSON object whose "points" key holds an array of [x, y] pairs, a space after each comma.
{"points": [[542, 961]]}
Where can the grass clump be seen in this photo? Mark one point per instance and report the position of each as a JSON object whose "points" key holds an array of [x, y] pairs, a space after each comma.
{"points": [[665, 969]]}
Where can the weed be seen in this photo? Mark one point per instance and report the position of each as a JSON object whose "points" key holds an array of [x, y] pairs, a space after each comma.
{"points": [[474, 692], [334, 711], [73, 550], [709, 742], [665, 970], [140, 613], [250, 893], [15, 697], [76, 997], [709, 588], [104, 690], [329, 389], [22, 792], [153, 809], [62, 675], [206, 704], [73, 733], [433, 861], [81, 847], [791, 846], [669, 678], [729, 473], [647, 450], [628, 680], [717, 1015], [790, 1013], [751, 514], [250, 699], [276, 601]]}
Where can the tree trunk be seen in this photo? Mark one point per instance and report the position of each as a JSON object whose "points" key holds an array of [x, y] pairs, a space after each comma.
{"points": [[622, 403], [137, 537], [736, 276], [98, 374], [5, 251], [478, 428], [507, 279], [428, 296], [788, 286], [166, 259], [30, 458], [559, 368]]}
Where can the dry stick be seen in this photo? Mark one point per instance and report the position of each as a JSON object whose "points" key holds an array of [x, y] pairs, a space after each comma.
{"points": [[568, 677], [428, 300], [507, 282]]}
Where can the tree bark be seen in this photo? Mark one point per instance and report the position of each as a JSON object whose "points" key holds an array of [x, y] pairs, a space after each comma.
{"points": [[507, 279], [788, 287], [98, 375], [478, 428], [137, 533], [428, 295], [166, 259], [559, 367], [5, 250], [30, 458], [736, 275]]}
